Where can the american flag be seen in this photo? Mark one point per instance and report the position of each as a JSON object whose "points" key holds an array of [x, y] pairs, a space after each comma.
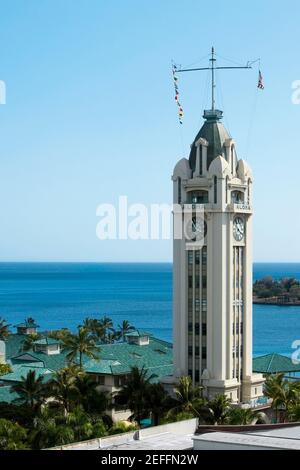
{"points": [[261, 84]]}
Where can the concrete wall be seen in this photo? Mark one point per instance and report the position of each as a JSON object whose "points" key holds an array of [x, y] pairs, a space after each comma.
{"points": [[180, 428]]}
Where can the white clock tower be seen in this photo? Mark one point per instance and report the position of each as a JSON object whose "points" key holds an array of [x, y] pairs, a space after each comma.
{"points": [[212, 312]]}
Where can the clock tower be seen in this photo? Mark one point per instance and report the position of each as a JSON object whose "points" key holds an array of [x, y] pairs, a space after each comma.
{"points": [[212, 311]]}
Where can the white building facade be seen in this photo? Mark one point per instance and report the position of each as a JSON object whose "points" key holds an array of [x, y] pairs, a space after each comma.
{"points": [[212, 285]]}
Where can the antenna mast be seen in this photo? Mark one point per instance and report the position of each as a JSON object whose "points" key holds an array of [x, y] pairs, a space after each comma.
{"points": [[213, 68]]}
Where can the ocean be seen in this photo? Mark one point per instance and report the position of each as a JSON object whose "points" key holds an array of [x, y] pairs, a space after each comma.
{"points": [[63, 294]]}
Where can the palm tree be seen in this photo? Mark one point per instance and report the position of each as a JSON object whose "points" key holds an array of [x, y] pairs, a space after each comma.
{"points": [[112, 337], [294, 413], [217, 410], [94, 327], [106, 324], [92, 399], [43, 429], [63, 387], [125, 328], [242, 416], [28, 342], [158, 401], [4, 330], [80, 423], [47, 432], [134, 393], [61, 335], [188, 397], [81, 344], [31, 390], [284, 393], [12, 436]]}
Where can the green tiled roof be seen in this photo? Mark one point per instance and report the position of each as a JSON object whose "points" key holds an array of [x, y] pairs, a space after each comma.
{"points": [[53, 361], [22, 370], [114, 359], [13, 345], [6, 395], [138, 333], [117, 359], [274, 363]]}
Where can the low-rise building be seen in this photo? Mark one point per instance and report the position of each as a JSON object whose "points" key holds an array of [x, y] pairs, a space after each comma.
{"points": [[46, 356]]}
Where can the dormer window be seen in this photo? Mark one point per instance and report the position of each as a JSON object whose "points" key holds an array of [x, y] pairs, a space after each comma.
{"points": [[47, 346], [138, 337], [28, 327], [237, 197], [198, 197]]}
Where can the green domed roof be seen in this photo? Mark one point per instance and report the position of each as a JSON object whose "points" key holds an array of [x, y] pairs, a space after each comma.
{"points": [[215, 133]]}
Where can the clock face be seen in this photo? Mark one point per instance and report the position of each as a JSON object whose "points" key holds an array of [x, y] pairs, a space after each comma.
{"points": [[238, 229], [196, 229]]}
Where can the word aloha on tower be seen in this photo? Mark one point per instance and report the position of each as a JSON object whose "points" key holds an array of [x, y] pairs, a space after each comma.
{"points": [[212, 286]]}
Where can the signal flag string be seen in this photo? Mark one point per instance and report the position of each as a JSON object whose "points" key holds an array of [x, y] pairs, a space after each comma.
{"points": [[180, 109]]}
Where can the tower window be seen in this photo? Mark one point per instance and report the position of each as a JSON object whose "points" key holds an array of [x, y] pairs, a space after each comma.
{"points": [[204, 353], [237, 197], [179, 190], [226, 189], [198, 197], [201, 160], [249, 182], [215, 189], [232, 159]]}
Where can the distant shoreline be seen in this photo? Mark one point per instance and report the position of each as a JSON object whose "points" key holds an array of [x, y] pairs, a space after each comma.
{"points": [[277, 302]]}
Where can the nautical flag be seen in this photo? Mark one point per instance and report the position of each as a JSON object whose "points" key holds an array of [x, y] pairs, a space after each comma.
{"points": [[180, 110], [261, 84]]}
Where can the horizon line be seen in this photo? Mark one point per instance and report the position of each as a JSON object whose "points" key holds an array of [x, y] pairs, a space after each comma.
{"points": [[119, 262]]}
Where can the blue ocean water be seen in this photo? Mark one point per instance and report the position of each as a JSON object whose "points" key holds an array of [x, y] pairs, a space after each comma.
{"points": [[63, 294]]}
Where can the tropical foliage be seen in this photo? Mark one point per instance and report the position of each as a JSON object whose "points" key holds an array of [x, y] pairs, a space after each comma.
{"points": [[269, 287], [5, 369], [285, 395], [31, 390], [80, 345], [134, 393], [12, 436], [4, 329]]}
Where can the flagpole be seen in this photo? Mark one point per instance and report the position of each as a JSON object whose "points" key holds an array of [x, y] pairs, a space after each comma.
{"points": [[213, 85]]}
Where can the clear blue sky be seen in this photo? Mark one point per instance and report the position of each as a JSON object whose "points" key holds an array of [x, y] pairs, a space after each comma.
{"points": [[90, 107]]}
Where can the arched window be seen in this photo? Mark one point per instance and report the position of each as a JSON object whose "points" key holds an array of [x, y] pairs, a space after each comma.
{"points": [[198, 197], [215, 189], [226, 189], [201, 160], [237, 197], [179, 190], [248, 191], [232, 160]]}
